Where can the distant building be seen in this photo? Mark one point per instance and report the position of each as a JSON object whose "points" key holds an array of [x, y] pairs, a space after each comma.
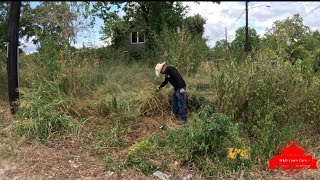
{"points": [[133, 40], [136, 39]]}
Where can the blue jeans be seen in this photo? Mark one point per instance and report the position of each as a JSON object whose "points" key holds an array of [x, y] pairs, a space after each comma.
{"points": [[179, 106]]}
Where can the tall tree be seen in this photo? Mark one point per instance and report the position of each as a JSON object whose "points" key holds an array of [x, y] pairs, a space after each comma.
{"points": [[220, 49], [51, 18], [4, 22], [286, 36], [195, 25], [61, 20], [237, 46], [148, 16]]}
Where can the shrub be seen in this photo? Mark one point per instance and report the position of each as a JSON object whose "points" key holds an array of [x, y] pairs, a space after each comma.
{"points": [[267, 98], [208, 134], [182, 50]]}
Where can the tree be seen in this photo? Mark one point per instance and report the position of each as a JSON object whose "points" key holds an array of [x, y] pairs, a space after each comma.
{"points": [[61, 20], [147, 16], [238, 44], [152, 17], [4, 21], [195, 25], [50, 18], [115, 29], [220, 49], [4, 7], [285, 37]]}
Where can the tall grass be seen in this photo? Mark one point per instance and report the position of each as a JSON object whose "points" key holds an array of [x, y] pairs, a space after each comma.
{"points": [[44, 111], [132, 89], [251, 105], [272, 100], [3, 77]]}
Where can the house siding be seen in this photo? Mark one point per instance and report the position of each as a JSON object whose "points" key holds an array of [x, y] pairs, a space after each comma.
{"points": [[127, 45]]}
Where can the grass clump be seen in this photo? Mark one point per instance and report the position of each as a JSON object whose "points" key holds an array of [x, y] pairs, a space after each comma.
{"points": [[43, 112]]}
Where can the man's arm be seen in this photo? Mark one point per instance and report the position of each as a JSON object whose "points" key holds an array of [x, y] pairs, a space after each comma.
{"points": [[164, 82]]}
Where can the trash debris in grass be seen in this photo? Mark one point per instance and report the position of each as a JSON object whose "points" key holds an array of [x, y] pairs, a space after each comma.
{"points": [[73, 164], [188, 177], [161, 175], [109, 173]]}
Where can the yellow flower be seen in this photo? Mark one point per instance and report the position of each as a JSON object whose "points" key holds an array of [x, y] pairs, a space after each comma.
{"points": [[233, 153]]}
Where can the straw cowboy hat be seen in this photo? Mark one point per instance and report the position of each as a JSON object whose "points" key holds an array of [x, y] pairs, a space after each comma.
{"points": [[158, 68]]}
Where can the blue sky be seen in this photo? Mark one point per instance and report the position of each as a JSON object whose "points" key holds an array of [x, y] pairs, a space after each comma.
{"points": [[91, 37], [224, 15]]}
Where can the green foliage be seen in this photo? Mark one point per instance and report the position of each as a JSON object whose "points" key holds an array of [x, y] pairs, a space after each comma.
{"points": [[3, 76], [43, 112], [116, 29], [139, 16], [285, 37], [137, 53], [262, 95], [51, 18], [4, 24], [143, 15], [237, 46], [220, 50], [195, 25], [4, 21], [141, 164], [207, 134], [202, 142], [182, 50], [144, 148], [60, 20], [103, 138]]}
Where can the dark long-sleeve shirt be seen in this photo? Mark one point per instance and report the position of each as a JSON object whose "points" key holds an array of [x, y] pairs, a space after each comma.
{"points": [[174, 77]]}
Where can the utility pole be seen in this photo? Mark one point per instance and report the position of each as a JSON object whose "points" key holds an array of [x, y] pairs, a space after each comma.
{"points": [[12, 61], [246, 46]]}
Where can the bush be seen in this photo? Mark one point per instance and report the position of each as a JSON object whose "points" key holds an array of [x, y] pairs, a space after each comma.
{"points": [[137, 53], [268, 98], [182, 50], [207, 134]]}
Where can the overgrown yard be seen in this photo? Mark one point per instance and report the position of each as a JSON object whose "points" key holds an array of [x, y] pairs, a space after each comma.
{"points": [[96, 113], [102, 121]]}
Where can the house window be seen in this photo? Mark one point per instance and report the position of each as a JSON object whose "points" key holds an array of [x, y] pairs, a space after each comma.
{"points": [[137, 38]]}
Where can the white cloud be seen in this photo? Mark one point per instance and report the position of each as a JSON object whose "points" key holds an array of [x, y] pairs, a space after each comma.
{"points": [[28, 46], [260, 17]]}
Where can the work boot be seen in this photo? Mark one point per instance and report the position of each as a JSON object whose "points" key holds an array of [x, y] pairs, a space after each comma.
{"points": [[181, 122], [175, 116]]}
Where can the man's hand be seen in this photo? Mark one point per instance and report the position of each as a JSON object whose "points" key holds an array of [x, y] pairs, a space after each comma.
{"points": [[158, 88]]}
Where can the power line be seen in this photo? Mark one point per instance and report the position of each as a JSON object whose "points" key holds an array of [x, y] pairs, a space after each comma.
{"points": [[236, 20], [310, 12], [230, 27]]}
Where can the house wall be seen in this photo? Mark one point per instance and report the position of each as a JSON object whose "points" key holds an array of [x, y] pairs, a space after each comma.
{"points": [[127, 46]]}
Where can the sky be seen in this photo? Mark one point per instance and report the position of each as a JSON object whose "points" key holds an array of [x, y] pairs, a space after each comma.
{"points": [[228, 15]]}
